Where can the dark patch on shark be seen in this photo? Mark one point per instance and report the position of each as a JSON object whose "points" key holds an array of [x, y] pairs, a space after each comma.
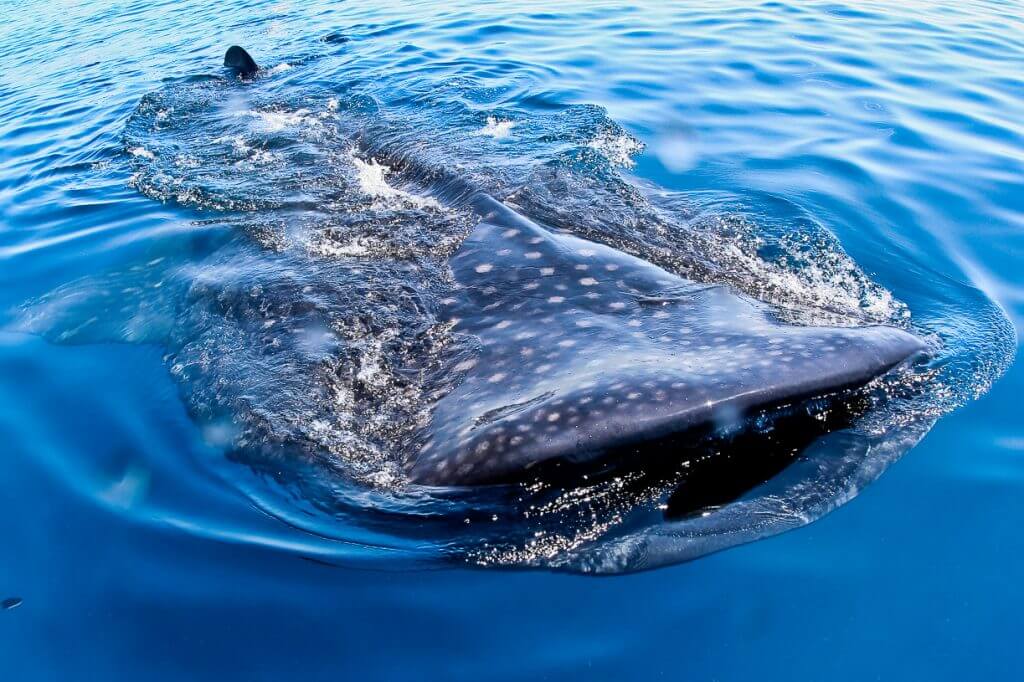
{"points": [[240, 62]]}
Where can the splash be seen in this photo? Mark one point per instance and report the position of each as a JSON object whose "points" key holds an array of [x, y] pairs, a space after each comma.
{"points": [[618, 147], [372, 181], [497, 128]]}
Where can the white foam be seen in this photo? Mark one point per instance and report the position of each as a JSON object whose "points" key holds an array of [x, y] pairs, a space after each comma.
{"points": [[236, 141], [372, 181], [280, 68], [618, 148], [831, 283], [497, 128], [355, 247], [142, 151], [273, 121], [241, 147]]}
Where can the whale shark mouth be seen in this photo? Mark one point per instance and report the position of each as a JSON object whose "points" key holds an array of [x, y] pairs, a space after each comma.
{"points": [[406, 316]]}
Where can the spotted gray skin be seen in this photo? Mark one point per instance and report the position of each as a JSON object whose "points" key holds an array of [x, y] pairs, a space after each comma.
{"points": [[584, 349]]}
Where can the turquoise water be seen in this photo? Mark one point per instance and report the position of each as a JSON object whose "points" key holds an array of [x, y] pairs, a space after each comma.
{"points": [[851, 164]]}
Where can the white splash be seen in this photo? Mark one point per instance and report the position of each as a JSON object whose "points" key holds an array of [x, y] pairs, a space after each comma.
{"points": [[372, 181], [831, 282], [327, 247], [497, 128], [280, 68], [618, 148], [252, 155], [142, 151], [238, 142], [273, 121]]}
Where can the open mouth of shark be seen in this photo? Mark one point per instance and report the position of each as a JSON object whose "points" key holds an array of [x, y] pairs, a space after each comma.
{"points": [[404, 309]]}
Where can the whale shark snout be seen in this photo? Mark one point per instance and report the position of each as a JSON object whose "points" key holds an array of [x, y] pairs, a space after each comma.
{"points": [[585, 351]]}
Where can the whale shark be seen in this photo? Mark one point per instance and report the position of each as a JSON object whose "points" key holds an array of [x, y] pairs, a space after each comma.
{"points": [[583, 355], [356, 320]]}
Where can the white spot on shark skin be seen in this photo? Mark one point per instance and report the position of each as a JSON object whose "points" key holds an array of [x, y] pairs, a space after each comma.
{"points": [[588, 281], [484, 268], [533, 255]]}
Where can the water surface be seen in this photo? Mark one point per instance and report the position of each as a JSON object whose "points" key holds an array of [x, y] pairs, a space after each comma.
{"points": [[849, 165]]}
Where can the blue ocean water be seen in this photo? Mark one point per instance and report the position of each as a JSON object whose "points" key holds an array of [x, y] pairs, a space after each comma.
{"points": [[857, 161]]}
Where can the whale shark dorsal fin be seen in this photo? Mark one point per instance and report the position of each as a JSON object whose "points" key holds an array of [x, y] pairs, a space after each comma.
{"points": [[238, 59]]}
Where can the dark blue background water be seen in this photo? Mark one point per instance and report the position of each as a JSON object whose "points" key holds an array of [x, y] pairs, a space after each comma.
{"points": [[898, 128]]}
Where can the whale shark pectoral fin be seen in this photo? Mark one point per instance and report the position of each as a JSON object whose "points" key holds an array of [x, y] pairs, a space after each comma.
{"points": [[239, 60]]}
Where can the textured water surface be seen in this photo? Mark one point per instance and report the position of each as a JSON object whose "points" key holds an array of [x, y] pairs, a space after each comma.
{"points": [[224, 333]]}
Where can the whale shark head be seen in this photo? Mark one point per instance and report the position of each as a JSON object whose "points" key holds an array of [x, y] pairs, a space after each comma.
{"points": [[584, 351]]}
